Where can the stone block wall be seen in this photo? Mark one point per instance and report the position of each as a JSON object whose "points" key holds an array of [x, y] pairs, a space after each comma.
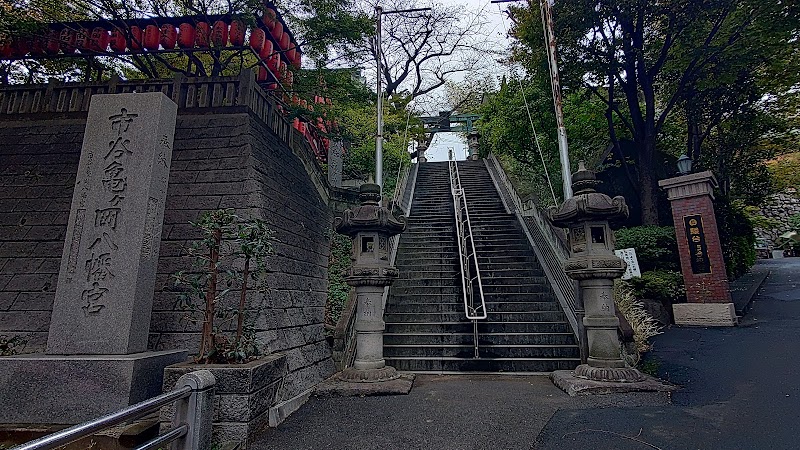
{"points": [[226, 158], [779, 207]]}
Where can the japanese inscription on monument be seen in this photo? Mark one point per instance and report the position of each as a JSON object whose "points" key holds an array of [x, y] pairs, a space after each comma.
{"points": [[105, 287], [698, 251]]}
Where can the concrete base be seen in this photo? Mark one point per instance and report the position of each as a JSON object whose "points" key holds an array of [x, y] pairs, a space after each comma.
{"points": [[334, 387], [69, 389], [574, 386], [279, 412], [705, 314]]}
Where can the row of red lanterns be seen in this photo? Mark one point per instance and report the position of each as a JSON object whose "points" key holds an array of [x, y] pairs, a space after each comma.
{"points": [[151, 37]]}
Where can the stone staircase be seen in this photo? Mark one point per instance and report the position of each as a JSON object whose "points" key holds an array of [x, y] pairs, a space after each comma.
{"points": [[426, 327]]}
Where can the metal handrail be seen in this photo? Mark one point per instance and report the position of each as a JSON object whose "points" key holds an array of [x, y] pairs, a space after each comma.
{"points": [[551, 251], [467, 255], [190, 386]]}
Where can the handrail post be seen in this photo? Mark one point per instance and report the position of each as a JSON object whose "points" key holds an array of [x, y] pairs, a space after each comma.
{"points": [[195, 411]]}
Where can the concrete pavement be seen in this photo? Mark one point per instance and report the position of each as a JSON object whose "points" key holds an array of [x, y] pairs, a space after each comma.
{"points": [[741, 391]]}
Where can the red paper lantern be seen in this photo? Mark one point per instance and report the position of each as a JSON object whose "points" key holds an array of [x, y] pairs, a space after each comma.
{"points": [[295, 99], [219, 34], [152, 36], [5, 49], [262, 74], [236, 33], [186, 35], [289, 78], [274, 62], [257, 40], [99, 39], [37, 46], [291, 54], [298, 60], [66, 40], [82, 39], [202, 34], [277, 32], [270, 18], [285, 41], [137, 38], [272, 87], [266, 51], [168, 36], [304, 104], [117, 41], [301, 127], [52, 44]]}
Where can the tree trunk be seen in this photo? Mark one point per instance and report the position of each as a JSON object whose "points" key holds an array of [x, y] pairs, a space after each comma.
{"points": [[649, 182]]}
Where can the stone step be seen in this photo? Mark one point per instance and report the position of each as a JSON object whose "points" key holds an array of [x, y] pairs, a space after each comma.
{"points": [[454, 364], [483, 327], [449, 317], [436, 297], [484, 351], [483, 339]]}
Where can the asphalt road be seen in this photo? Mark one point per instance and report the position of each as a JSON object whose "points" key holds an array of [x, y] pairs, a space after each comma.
{"points": [[740, 391]]}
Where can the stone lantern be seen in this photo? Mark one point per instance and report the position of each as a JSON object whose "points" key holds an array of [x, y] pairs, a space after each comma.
{"points": [[370, 225], [594, 265], [421, 147], [473, 139]]}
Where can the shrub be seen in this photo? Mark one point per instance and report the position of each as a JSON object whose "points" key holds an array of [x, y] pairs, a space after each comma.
{"points": [[656, 247], [338, 289], [644, 326], [665, 286], [737, 237]]}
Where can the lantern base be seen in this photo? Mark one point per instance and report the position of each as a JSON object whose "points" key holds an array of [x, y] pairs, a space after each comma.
{"points": [[353, 375], [567, 381], [615, 374]]}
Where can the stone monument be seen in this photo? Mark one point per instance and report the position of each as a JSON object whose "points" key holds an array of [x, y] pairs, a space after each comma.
{"points": [[700, 250], [371, 225], [335, 163], [594, 265], [96, 359]]}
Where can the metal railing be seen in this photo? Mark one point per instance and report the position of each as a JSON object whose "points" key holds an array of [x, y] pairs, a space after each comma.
{"points": [[467, 257], [191, 422], [550, 249]]}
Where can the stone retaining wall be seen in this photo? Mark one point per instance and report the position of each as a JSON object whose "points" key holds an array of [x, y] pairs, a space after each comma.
{"points": [[779, 207], [225, 158]]}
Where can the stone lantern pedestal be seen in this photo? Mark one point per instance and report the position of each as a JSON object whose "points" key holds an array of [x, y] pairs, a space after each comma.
{"points": [[421, 148], [370, 225], [473, 140], [594, 265]]}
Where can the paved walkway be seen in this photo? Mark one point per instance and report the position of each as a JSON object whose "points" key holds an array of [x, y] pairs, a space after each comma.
{"points": [[740, 392]]}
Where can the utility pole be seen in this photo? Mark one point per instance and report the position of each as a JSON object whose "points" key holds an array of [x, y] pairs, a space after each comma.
{"points": [[379, 12], [555, 84]]}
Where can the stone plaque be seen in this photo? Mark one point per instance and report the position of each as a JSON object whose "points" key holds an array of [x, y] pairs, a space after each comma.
{"points": [[696, 238], [335, 163], [629, 256], [107, 276]]}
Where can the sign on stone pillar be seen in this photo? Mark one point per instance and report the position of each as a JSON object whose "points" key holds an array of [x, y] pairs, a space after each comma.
{"points": [[335, 163], [700, 250], [106, 281]]}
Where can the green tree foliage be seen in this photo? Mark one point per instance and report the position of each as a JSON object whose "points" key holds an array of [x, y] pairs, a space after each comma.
{"points": [[736, 236], [656, 247], [646, 60], [505, 129]]}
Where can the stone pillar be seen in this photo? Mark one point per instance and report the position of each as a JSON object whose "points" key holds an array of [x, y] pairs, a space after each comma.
{"points": [[335, 163], [370, 225], [594, 265], [421, 147], [96, 360], [702, 264], [473, 139]]}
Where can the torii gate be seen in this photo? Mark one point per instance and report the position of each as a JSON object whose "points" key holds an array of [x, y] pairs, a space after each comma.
{"points": [[445, 122]]}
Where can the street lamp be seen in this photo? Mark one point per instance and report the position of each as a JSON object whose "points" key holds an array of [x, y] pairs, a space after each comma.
{"points": [[684, 164], [379, 12]]}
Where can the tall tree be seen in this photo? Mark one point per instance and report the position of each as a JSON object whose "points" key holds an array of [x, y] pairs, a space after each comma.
{"points": [[643, 58]]}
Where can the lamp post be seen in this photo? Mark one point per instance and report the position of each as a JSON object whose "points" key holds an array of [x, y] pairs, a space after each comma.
{"points": [[684, 165], [379, 12]]}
